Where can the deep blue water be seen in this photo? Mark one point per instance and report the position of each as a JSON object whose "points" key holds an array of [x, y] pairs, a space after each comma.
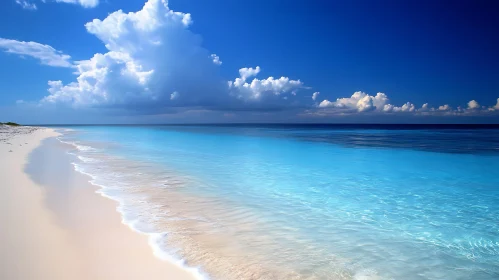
{"points": [[325, 202]]}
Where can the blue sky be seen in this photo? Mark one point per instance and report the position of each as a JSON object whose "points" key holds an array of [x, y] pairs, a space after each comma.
{"points": [[222, 61]]}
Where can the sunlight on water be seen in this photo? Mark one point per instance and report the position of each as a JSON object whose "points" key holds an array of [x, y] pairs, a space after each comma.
{"points": [[270, 203]]}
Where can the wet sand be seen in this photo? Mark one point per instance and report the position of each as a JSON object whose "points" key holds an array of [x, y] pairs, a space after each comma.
{"points": [[54, 225]]}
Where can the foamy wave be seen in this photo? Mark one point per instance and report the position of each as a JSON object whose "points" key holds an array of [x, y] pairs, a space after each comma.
{"points": [[84, 148], [88, 160], [156, 240], [366, 275], [79, 169], [77, 145]]}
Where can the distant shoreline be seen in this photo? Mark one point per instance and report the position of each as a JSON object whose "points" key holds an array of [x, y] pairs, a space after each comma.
{"points": [[390, 126]]}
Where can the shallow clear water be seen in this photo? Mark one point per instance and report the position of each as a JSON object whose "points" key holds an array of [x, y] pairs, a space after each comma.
{"points": [[306, 202]]}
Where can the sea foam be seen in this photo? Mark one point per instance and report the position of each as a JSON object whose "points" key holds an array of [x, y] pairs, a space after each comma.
{"points": [[156, 240]]}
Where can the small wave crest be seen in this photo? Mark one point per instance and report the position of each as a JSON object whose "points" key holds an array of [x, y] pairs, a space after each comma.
{"points": [[112, 185], [156, 240], [77, 145]]}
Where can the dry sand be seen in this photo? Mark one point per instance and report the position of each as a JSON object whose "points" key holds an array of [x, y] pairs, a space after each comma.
{"points": [[80, 238]]}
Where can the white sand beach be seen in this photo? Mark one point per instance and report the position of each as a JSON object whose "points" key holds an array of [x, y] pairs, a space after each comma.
{"points": [[38, 242]]}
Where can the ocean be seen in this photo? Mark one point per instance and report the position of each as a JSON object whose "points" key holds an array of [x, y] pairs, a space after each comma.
{"points": [[305, 201]]}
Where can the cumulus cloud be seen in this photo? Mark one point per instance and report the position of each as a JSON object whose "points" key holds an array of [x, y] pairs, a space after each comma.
{"points": [[473, 105], [388, 108], [425, 107], [153, 60], [256, 88], [246, 73], [152, 56], [216, 59], [83, 3], [45, 53], [326, 103], [445, 107], [407, 107], [26, 4], [151, 53], [361, 102]]}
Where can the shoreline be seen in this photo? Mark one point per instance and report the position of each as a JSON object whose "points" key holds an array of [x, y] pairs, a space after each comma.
{"points": [[251, 213], [58, 227], [98, 190], [151, 201]]}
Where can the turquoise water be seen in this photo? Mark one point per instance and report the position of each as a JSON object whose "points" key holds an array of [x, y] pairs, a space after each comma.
{"points": [[305, 202]]}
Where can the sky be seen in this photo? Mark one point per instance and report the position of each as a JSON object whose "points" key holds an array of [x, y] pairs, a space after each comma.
{"points": [[197, 61]]}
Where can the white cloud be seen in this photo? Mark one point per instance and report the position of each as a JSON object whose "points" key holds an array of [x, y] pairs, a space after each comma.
{"points": [[254, 90], [472, 105], [20, 101], [26, 4], [360, 101], [407, 107], [472, 108], [216, 59], [83, 3], [151, 53], [246, 73], [326, 103], [425, 107], [388, 108], [152, 56], [45, 53], [445, 107], [365, 104]]}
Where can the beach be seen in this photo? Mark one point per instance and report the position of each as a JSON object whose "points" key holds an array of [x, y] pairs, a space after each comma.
{"points": [[299, 202], [49, 232], [248, 202]]}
